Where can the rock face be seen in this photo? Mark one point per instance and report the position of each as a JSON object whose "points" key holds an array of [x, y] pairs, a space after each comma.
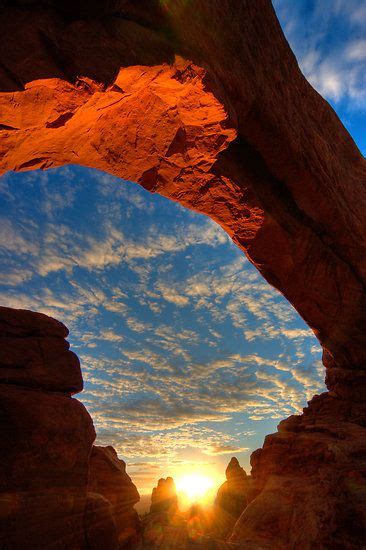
{"points": [[46, 436], [309, 481], [56, 489], [232, 129], [108, 477], [232, 498], [164, 497]]}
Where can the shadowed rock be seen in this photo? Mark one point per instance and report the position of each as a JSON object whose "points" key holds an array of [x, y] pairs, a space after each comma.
{"points": [[232, 498], [45, 436], [108, 477], [309, 481]]}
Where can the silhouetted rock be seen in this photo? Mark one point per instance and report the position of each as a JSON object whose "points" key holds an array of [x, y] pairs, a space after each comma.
{"points": [[46, 436], [164, 497], [20, 323], [100, 526], [42, 363], [164, 525], [108, 477], [37, 355], [232, 498]]}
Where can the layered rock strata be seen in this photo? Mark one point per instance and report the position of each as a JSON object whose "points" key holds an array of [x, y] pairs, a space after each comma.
{"points": [[56, 489], [45, 435]]}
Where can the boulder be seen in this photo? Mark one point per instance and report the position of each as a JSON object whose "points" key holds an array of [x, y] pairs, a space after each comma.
{"points": [[40, 362], [25, 323], [35, 354]]}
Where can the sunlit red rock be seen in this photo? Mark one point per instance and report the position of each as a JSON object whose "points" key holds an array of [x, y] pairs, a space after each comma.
{"points": [[108, 477]]}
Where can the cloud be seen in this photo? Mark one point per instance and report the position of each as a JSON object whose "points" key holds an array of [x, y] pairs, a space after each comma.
{"points": [[356, 50], [226, 449], [182, 343], [321, 34]]}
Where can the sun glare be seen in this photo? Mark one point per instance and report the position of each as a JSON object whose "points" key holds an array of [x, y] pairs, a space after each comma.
{"points": [[195, 487]]}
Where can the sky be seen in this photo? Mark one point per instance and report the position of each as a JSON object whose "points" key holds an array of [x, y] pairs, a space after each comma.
{"points": [[189, 357]]}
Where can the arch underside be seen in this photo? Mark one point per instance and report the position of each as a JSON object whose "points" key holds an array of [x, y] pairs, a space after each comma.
{"points": [[204, 103]]}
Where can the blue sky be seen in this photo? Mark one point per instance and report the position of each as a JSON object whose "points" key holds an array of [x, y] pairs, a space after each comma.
{"points": [[188, 356]]}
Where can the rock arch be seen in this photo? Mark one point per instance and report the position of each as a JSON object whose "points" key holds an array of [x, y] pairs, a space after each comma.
{"points": [[203, 102]]}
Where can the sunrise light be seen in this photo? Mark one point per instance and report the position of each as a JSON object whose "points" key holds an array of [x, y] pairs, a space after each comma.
{"points": [[195, 487]]}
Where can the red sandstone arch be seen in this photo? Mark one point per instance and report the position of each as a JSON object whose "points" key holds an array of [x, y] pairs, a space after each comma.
{"points": [[235, 132], [203, 102]]}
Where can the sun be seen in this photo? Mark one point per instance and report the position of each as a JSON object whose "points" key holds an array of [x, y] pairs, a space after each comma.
{"points": [[194, 487]]}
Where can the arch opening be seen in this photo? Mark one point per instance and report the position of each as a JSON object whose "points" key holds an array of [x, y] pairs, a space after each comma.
{"points": [[187, 356]]}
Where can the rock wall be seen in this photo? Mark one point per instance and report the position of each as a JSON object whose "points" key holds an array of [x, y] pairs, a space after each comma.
{"points": [[57, 490], [310, 480], [45, 435]]}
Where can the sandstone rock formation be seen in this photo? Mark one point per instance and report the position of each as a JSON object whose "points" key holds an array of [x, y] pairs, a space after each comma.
{"points": [[232, 130], [108, 477], [164, 527], [310, 481], [45, 435], [164, 497], [232, 498], [56, 489], [35, 354]]}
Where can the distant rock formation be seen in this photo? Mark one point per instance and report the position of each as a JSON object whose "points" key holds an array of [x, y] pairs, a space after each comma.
{"points": [[108, 477], [164, 497], [164, 524], [232, 498]]}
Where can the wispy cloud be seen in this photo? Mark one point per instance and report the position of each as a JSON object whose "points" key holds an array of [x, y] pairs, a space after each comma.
{"points": [[327, 37], [184, 347]]}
